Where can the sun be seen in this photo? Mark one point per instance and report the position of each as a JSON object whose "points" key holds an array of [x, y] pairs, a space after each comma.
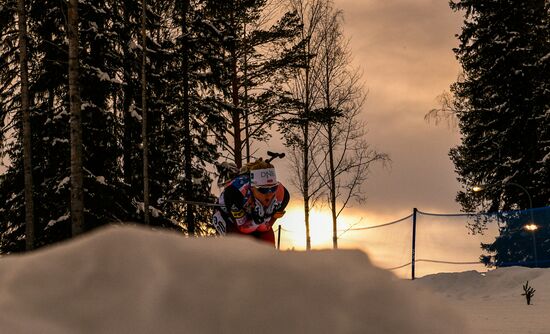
{"points": [[293, 230]]}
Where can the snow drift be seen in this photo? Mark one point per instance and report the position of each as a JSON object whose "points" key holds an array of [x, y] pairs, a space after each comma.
{"points": [[124, 279], [492, 302]]}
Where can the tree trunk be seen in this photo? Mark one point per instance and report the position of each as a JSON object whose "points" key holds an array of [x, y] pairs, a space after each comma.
{"points": [[306, 183], [236, 114], [307, 107], [187, 120], [27, 153], [245, 102], [330, 142], [236, 117], [77, 179], [332, 188], [145, 142], [128, 141]]}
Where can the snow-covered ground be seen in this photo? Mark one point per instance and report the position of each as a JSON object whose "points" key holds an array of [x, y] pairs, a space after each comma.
{"points": [[135, 280], [492, 302]]}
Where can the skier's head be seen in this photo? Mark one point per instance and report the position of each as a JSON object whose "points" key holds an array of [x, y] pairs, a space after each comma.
{"points": [[263, 180]]}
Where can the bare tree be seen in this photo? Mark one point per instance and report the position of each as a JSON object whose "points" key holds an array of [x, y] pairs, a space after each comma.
{"points": [[25, 112], [144, 138], [446, 112], [77, 180], [348, 156], [305, 90]]}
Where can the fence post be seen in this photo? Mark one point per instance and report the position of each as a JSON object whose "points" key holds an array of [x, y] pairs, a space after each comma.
{"points": [[415, 210], [279, 238]]}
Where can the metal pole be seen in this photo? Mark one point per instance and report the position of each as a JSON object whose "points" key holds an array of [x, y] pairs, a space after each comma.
{"points": [[279, 238], [415, 210]]}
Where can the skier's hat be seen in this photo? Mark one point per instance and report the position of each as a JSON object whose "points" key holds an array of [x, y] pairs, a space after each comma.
{"points": [[263, 177], [262, 173]]}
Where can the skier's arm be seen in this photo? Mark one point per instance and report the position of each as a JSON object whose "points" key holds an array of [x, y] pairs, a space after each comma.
{"points": [[280, 209], [233, 200]]}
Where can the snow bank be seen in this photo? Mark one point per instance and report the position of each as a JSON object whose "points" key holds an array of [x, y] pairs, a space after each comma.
{"points": [[471, 284], [134, 280], [492, 302]]}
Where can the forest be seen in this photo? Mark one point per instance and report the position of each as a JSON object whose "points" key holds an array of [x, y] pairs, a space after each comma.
{"points": [[109, 108]]}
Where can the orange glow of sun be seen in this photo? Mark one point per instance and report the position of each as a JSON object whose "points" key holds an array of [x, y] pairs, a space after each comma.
{"points": [[293, 232]]}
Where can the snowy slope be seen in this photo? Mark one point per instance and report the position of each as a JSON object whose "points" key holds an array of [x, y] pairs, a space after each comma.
{"points": [[492, 301], [134, 280]]}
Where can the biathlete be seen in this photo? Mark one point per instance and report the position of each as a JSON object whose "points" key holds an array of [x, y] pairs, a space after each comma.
{"points": [[252, 201]]}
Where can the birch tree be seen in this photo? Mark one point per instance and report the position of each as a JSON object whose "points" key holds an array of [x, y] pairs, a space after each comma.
{"points": [[348, 157], [301, 132]]}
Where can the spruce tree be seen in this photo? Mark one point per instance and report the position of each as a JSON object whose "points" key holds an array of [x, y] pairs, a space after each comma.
{"points": [[502, 104], [27, 152]]}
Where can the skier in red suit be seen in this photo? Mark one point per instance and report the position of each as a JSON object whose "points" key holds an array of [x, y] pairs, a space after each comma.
{"points": [[252, 202]]}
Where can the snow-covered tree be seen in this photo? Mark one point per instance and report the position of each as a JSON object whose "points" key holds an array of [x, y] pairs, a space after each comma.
{"points": [[109, 56], [25, 116], [502, 104], [258, 47]]}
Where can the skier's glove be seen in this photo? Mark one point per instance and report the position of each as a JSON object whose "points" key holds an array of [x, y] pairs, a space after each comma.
{"points": [[237, 213], [239, 216]]}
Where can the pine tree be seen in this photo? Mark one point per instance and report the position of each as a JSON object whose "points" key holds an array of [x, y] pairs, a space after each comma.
{"points": [[144, 111], [499, 104], [9, 125], [77, 182], [196, 119], [502, 105], [101, 62], [263, 52], [184, 145], [27, 153]]}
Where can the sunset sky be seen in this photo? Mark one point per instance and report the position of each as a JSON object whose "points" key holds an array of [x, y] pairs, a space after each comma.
{"points": [[404, 48]]}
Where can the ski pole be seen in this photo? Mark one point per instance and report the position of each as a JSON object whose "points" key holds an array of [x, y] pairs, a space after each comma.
{"points": [[182, 201]]}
